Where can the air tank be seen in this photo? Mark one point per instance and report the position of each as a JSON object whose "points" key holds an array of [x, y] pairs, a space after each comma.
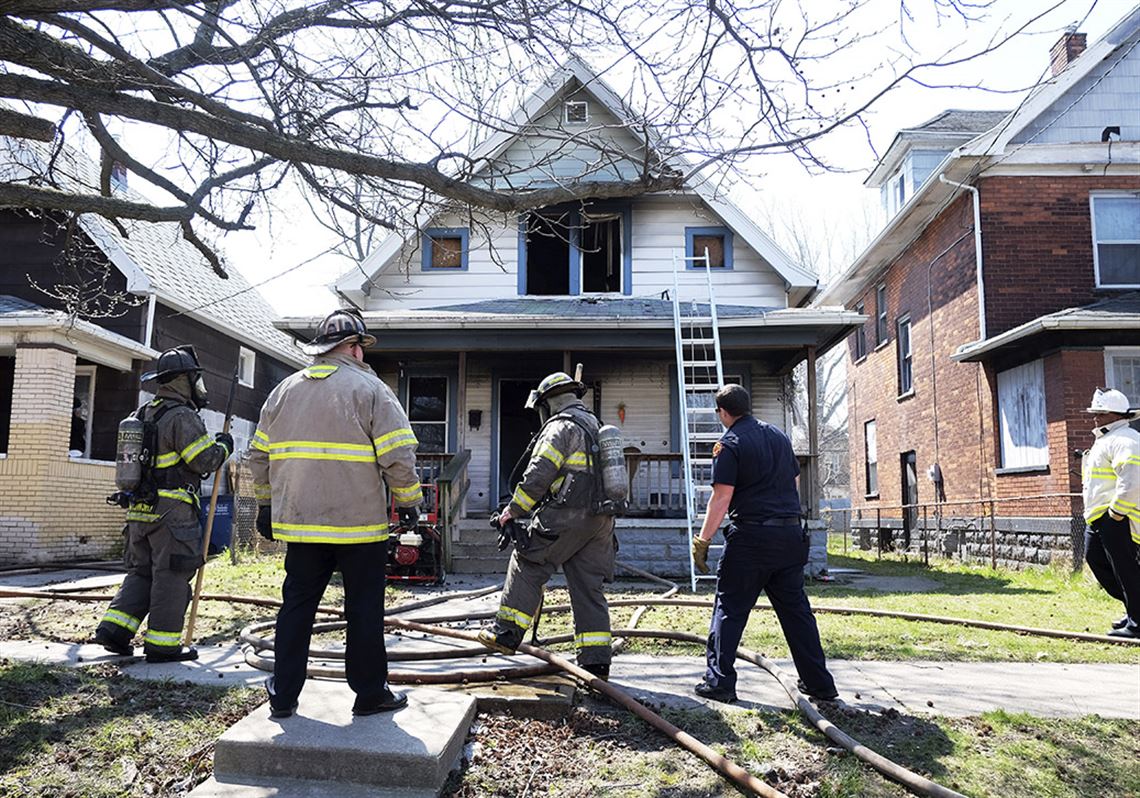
{"points": [[129, 454], [615, 479]]}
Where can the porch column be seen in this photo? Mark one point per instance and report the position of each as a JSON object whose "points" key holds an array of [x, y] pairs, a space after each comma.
{"points": [[813, 436], [461, 402], [43, 389]]}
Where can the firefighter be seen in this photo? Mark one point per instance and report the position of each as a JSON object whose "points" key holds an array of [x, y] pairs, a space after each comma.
{"points": [[328, 439], [163, 531], [1110, 477], [558, 493]]}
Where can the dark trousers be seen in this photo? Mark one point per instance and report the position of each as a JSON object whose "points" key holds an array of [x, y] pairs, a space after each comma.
{"points": [[768, 559], [308, 568], [1111, 556]]}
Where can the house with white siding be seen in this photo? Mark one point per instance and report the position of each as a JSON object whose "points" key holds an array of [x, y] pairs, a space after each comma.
{"points": [[472, 309]]}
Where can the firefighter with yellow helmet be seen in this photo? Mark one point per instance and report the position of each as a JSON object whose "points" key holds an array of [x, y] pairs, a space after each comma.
{"points": [[164, 451], [567, 524]]}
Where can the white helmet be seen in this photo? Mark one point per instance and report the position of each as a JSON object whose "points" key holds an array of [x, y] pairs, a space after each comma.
{"points": [[1109, 401]]}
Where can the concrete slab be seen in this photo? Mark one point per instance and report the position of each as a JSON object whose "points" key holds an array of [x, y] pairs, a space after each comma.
{"points": [[542, 698], [50, 653], [413, 748], [81, 579], [293, 788]]}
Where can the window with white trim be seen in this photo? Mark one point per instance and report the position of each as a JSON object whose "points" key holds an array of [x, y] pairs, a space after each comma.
{"points": [[576, 112], [247, 364], [906, 360], [871, 457], [1122, 370], [1116, 239], [860, 334], [82, 411], [1021, 416], [427, 410], [881, 334]]}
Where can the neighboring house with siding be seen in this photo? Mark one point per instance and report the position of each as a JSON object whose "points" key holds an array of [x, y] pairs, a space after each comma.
{"points": [[67, 379], [1002, 291], [471, 311]]}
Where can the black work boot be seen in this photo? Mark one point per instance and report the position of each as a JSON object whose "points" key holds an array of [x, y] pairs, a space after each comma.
{"points": [[385, 702], [177, 655], [599, 669], [108, 641], [499, 642], [726, 695]]}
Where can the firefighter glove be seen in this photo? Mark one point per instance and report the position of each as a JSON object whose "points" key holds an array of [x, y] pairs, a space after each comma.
{"points": [[227, 440], [409, 516], [264, 521], [700, 551]]}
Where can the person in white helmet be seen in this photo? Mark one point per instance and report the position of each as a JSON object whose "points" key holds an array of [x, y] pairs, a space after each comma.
{"points": [[1110, 478]]}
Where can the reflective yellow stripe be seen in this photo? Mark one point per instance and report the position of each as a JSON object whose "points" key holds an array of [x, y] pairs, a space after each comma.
{"points": [[517, 617], [165, 639], [551, 454], [322, 450], [394, 440], [128, 622], [576, 459], [167, 460], [260, 441], [1103, 472], [177, 495], [142, 512], [327, 533], [319, 372], [262, 491], [593, 639], [346, 458], [197, 447], [522, 500], [556, 484], [407, 494]]}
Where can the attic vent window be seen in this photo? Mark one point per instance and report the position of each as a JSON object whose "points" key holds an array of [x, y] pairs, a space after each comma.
{"points": [[577, 112]]}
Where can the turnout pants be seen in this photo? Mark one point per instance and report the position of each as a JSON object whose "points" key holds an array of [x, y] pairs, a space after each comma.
{"points": [[1112, 557], [768, 559], [308, 569], [162, 556], [586, 554]]}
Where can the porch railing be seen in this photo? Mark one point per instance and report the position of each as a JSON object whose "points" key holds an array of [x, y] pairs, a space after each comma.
{"points": [[656, 485], [451, 484]]}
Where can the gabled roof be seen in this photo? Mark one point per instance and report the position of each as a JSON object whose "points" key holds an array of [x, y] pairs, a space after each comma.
{"points": [[799, 281], [947, 130], [154, 257], [27, 322], [965, 163]]}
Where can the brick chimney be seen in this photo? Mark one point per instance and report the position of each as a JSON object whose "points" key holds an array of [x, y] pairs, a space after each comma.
{"points": [[1065, 51]]}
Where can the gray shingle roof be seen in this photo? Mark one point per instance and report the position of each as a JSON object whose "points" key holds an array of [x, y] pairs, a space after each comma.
{"points": [[956, 120], [173, 265], [10, 305]]}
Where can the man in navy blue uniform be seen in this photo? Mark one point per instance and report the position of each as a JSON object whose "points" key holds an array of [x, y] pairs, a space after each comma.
{"points": [[754, 481]]}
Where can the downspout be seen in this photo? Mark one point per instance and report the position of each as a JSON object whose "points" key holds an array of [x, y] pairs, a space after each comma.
{"points": [[977, 251], [150, 304]]}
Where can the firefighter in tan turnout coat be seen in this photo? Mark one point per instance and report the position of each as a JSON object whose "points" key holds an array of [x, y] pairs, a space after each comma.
{"points": [[557, 493], [330, 436], [164, 536]]}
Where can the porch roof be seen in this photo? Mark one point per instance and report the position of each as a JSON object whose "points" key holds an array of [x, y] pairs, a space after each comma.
{"points": [[585, 323], [1109, 322], [30, 324]]}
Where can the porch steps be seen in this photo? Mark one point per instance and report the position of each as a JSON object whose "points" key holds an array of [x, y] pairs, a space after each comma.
{"points": [[700, 373]]}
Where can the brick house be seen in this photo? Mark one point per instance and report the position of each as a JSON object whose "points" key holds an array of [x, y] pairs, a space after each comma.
{"points": [[84, 310], [1004, 288]]}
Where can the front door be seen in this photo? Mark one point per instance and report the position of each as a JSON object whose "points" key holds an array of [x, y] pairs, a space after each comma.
{"points": [[517, 426]]}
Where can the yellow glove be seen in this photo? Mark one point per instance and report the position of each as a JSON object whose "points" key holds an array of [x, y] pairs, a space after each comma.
{"points": [[700, 549]]}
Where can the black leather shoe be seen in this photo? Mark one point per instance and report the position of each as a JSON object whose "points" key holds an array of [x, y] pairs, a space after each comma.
{"points": [[725, 695], [181, 655], [600, 669], [1115, 624], [819, 696], [277, 712], [123, 649], [385, 703], [1132, 630]]}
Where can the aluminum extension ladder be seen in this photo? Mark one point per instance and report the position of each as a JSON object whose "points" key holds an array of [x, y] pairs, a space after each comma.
{"points": [[700, 374]]}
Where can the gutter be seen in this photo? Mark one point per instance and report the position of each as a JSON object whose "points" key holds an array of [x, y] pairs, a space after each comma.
{"points": [[977, 250], [1046, 324]]}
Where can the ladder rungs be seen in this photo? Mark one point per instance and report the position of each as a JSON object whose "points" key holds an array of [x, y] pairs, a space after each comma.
{"points": [[704, 410], [705, 341], [697, 319], [693, 387], [699, 364], [705, 437], [700, 461]]}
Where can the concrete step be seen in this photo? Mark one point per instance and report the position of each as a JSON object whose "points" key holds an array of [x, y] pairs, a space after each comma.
{"points": [[411, 749], [480, 565], [295, 788], [487, 549]]}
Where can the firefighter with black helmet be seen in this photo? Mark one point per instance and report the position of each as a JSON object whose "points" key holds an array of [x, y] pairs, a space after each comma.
{"points": [[566, 526], [161, 494], [328, 440]]}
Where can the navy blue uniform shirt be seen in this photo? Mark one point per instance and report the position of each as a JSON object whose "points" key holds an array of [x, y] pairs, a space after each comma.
{"points": [[757, 459]]}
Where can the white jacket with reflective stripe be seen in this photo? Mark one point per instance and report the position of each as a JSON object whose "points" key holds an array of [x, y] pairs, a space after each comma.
{"points": [[328, 439], [1110, 476]]}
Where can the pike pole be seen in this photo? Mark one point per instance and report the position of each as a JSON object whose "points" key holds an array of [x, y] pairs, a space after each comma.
{"points": [[188, 637]]}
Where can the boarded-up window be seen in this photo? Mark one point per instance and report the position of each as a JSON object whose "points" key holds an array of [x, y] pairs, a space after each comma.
{"points": [[445, 248], [714, 245], [871, 457], [1021, 416], [427, 410]]}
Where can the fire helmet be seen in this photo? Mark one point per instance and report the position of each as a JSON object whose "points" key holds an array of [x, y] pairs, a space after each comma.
{"points": [[337, 327], [557, 383], [1110, 401], [179, 360]]}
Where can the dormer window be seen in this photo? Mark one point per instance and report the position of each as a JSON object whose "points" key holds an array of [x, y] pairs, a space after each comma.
{"points": [[576, 112]]}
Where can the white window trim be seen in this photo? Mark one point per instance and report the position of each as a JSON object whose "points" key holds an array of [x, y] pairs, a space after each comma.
{"points": [[91, 371], [446, 403], [1042, 453], [908, 354], [566, 112], [1093, 196], [243, 354], [1111, 352]]}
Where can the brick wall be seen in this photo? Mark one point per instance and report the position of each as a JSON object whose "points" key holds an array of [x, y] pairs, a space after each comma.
{"points": [[51, 507], [1037, 245]]}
